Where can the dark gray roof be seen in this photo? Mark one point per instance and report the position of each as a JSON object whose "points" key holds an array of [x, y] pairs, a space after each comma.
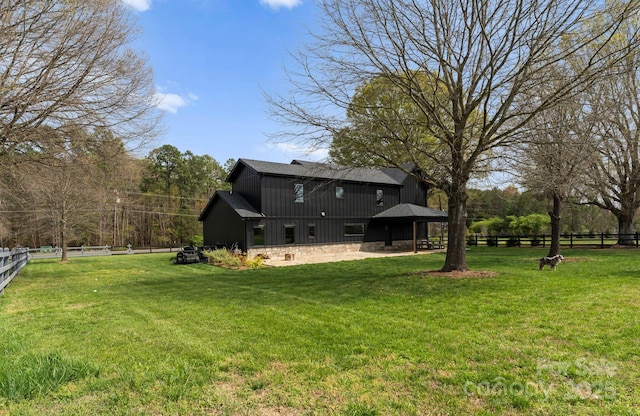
{"points": [[303, 169], [236, 201], [399, 175], [411, 211]]}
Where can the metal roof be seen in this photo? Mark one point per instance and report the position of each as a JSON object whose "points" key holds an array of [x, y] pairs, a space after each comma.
{"points": [[303, 169], [236, 201], [412, 211]]}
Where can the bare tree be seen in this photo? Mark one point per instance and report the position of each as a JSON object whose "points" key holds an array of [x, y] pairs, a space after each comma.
{"points": [[65, 191], [487, 57], [589, 147], [67, 62], [614, 180], [554, 160]]}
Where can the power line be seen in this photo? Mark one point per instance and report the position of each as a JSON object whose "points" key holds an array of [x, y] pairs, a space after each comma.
{"points": [[165, 196], [47, 211]]}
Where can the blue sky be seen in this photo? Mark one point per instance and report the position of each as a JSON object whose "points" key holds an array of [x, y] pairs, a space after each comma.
{"points": [[212, 61]]}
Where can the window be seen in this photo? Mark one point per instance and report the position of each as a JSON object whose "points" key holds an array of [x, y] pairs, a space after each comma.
{"points": [[312, 231], [354, 229], [258, 235], [298, 190], [379, 198], [289, 234], [339, 192]]}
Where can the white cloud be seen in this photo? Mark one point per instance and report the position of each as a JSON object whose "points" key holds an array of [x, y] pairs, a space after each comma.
{"points": [[276, 4], [311, 152], [172, 102], [140, 5]]}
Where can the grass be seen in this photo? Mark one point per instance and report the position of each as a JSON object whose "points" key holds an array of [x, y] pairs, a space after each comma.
{"points": [[137, 335]]}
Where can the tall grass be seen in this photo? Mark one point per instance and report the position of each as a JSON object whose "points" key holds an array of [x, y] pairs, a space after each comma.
{"points": [[30, 375]]}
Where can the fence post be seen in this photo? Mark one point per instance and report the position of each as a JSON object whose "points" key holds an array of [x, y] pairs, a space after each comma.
{"points": [[4, 261], [571, 239], [636, 239], [11, 262], [544, 241], [602, 239]]}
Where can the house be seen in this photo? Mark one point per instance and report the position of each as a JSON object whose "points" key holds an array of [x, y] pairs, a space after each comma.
{"points": [[309, 206]]}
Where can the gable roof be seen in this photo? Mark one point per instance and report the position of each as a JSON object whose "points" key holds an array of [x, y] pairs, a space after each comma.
{"points": [[304, 169], [399, 175], [236, 201], [412, 211]]}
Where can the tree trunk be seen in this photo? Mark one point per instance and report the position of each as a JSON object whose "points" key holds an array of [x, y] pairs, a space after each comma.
{"points": [[554, 214], [457, 244], [63, 232], [625, 230]]}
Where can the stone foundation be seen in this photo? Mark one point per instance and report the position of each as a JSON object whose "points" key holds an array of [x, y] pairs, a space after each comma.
{"points": [[298, 252]]}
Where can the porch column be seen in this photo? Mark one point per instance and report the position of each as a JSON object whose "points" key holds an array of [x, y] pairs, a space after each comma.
{"points": [[415, 237]]}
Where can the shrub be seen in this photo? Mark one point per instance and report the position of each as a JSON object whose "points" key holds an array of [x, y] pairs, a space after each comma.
{"points": [[223, 257], [254, 263], [492, 241], [490, 226], [513, 242], [197, 240]]}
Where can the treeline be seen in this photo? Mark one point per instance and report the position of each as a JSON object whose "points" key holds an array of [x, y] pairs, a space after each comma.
{"points": [[510, 211], [91, 191], [85, 188]]}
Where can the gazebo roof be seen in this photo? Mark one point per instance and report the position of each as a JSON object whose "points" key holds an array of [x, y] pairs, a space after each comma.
{"points": [[413, 212]]}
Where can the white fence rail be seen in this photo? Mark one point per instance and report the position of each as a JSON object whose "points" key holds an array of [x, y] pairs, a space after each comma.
{"points": [[49, 252], [11, 262], [86, 251]]}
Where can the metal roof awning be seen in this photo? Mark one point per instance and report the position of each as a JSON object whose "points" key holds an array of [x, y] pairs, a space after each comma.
{"points": [[413, 212]]}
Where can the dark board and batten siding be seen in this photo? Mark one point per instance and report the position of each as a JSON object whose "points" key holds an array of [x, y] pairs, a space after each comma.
{"points": [[321, 209], [359, 200], [327, 231], [247, 184], [231, 230], [413, 192]]}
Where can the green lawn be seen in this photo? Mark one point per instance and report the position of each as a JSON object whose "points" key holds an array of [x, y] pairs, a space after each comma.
{"points": [[138, 335]]}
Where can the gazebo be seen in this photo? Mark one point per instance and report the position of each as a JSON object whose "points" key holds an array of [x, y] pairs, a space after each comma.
{"points": [[414, 213]]}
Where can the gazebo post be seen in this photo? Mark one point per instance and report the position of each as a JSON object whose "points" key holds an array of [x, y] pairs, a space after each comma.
{"points": [[405, 212]]}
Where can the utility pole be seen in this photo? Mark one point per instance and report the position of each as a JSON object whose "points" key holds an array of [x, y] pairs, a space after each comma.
{"points": [[115, 218]]}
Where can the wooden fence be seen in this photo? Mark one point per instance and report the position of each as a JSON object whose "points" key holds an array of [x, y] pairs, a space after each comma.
{"points": [[87, 251], [11, 262], [49, 251], [571, 240]]}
